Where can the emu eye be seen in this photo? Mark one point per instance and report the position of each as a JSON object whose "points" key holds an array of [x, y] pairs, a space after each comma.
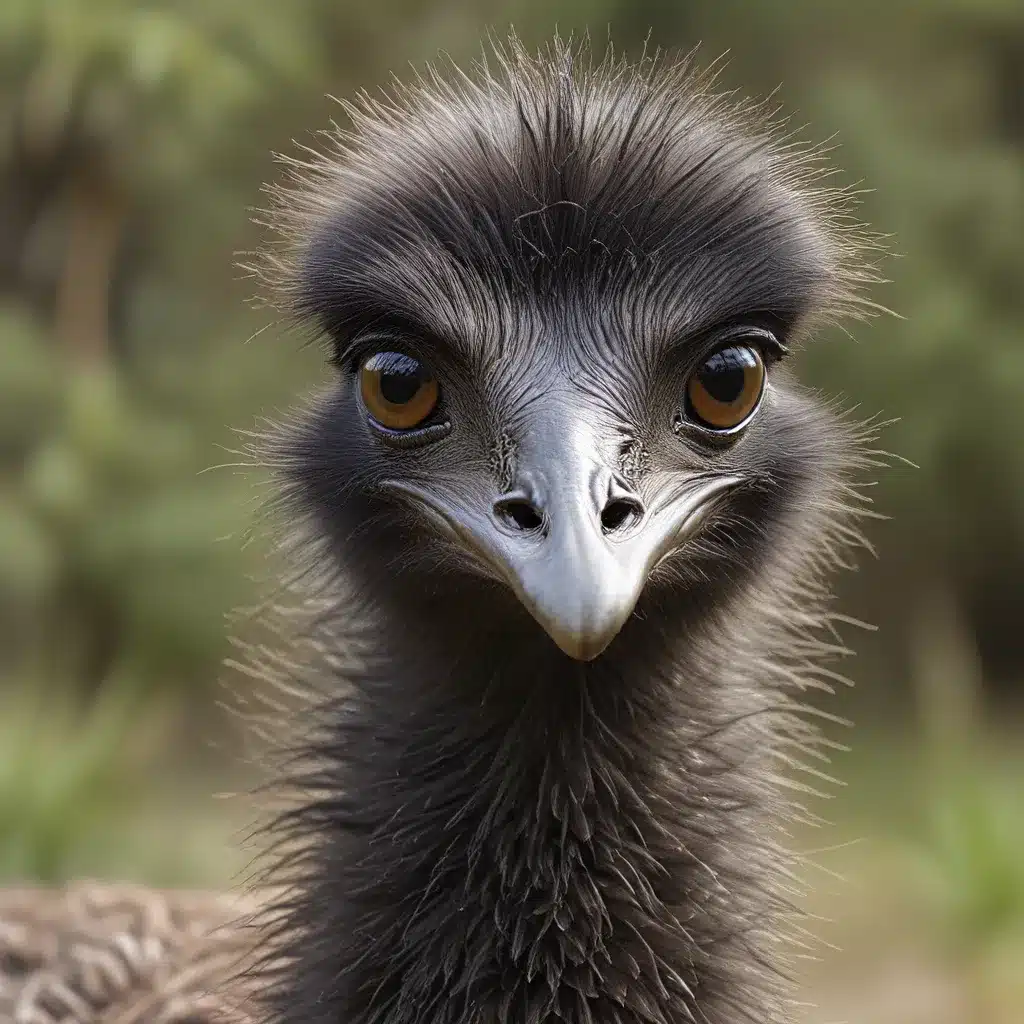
{"points": [[726, 388], [399, 392]]}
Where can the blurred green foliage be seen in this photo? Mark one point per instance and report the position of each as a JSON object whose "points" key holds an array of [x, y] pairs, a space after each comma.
{"points": [[108, 792], [156, 86], [112, 550], [970, 858], [64, 781]]}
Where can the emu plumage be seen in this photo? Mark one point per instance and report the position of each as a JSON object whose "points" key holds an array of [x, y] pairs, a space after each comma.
{"points": [[563, 617], [553, 788]]}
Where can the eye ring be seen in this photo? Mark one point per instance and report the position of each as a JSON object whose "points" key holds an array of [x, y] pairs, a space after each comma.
{"points": [[400, 392], [725, 390]]}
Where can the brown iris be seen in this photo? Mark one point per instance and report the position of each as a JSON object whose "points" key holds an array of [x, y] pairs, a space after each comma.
{"points": [[398, 391], [726, 387]]}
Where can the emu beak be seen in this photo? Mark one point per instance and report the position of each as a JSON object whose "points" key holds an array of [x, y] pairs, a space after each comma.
{"points": [[581, 579], [571, 540]]}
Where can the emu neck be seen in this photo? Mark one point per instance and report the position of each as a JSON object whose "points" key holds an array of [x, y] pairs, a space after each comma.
{"points": [[516, 836]]}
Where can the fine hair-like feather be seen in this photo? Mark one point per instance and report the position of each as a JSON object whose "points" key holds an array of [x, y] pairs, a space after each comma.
{"points": [[482, 829]]}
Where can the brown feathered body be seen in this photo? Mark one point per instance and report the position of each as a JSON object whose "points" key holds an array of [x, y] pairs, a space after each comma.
{"points": [[100, 953]]}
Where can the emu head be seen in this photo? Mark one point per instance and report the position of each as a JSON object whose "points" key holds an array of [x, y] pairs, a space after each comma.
{"points": [[560, 300]]}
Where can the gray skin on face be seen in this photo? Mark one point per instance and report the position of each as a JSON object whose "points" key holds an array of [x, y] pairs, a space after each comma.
{"points": [[571, 537], [608, 476]]}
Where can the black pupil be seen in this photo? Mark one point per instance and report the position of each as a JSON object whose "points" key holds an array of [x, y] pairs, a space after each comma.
{"points": [[401, 376], [724, 376]]}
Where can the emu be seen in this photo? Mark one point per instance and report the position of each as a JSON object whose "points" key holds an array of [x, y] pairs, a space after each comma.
{"points": [[569, 521]]}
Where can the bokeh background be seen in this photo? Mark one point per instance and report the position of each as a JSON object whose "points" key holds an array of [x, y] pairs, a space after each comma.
{"points": [[134, 138]]}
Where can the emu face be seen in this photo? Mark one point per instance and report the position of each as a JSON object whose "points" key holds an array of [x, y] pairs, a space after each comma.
{"points": [[560, 305]]}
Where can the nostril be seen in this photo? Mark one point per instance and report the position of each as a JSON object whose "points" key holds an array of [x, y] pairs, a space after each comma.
{"points": [[620, 512], [520, 513]]}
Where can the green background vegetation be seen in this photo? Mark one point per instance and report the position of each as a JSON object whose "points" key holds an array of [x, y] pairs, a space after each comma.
{"points": [[133, 138]]}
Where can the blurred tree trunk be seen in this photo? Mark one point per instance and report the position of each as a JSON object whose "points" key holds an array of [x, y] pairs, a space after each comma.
{"points": [[946, 674], [96, 222]]}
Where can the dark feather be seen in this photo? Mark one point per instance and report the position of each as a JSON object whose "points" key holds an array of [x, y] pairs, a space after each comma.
{"points": [[485, 830]]}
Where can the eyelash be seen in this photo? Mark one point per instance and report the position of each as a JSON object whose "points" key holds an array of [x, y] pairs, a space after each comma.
{"points": [[356, 353], [772, 350]]}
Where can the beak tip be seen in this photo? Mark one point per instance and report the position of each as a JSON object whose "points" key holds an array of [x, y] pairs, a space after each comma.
{"points": [[582, 649], [582, 618], [582, 644]]}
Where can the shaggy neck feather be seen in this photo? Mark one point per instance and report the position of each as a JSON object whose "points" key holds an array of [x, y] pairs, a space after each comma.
{"points": [[521, 837]]}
